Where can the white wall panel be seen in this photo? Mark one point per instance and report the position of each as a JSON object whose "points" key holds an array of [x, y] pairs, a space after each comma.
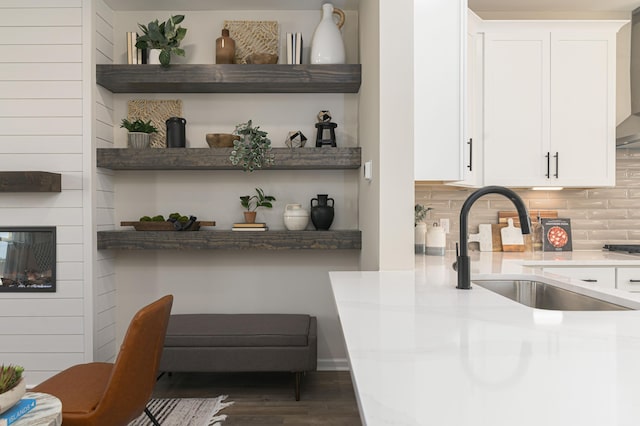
{"points": [[40, 53], [44, 126], [43, 307], [39, 3], [44, 343], [106, 301], [40, 35], [105, 216], [41, 108], [43, 325], [69, 234], [46, 144], [104, 199], [64, 290], [38, 200], [106, 318], [48, 162], [70, 270], [105, 116], [70, 253], [27, 216], [71, 181], [28, 71], [106, 335], [39, 361], [105, 48], [41, 17]]}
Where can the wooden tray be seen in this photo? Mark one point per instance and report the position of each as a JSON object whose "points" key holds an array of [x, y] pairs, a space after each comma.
{"points": [[164, 226]]}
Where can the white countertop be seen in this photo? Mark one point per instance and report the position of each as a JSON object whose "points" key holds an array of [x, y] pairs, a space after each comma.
{"points": [[425, 353]]}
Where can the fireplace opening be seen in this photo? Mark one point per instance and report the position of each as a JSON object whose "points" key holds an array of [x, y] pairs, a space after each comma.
{"points": [[28, 259]]}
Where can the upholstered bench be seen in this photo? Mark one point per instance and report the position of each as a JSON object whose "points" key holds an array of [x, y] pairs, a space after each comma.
{"points": [[241, 343]]}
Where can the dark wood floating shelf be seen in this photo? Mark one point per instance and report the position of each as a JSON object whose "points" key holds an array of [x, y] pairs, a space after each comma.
{"points": [[193, 78], [230, 240], [218, 158], [30, 182]]}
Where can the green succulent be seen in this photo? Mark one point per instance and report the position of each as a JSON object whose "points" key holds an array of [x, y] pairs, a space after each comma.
{"points": [[253, 149], [420, 213], [138, 125], [10, 375]]}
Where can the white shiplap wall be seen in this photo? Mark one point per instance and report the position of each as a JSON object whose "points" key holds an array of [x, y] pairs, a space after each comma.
{"points": [[41, 128], [105, 289]]}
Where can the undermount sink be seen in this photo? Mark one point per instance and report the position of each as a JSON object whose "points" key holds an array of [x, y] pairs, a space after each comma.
{"points": [[540, 295]]}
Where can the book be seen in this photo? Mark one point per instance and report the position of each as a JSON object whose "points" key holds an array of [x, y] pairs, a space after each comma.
{"points": [[21, 408], [556, 234], [250, 229], [129, 48], [289, 48], [298, 50], [250, 225]]}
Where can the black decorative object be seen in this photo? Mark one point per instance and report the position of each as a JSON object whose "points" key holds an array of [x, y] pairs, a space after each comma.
{"points": [[176, 132], [324, 123], [322, 213], [28, 259]]}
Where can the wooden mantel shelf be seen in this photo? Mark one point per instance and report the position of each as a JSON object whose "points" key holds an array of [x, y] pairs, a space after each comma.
{"points": [[218, 159], [206, 78], [30, 182], [230, 240]]}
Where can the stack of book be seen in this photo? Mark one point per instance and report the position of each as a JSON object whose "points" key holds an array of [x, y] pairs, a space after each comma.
{"points": [[294, 48], [250, 227], [134, 55], [21, 408]]}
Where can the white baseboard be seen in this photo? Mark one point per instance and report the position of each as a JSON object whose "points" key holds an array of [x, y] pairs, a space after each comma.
{"points": [[333, 364]]}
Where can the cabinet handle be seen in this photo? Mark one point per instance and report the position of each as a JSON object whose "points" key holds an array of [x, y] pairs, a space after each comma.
{"points": [[470, 143], [634, 281], [590, 280], [548, 157], [557, 156]]}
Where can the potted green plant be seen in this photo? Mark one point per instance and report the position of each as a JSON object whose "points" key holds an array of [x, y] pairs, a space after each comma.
{"points": [[420, 228], [12, 386], [253, 148], [252, 202], [165, 37], [139, 132]]}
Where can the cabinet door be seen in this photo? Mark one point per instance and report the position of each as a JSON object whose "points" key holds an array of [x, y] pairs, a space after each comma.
{"points": [[516, 108], [605, 277], [582, 108], [472, 147], [628, 279], [439, 60]]}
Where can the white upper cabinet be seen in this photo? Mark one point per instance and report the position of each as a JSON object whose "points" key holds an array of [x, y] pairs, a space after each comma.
{"points": [[440, 34], [549, 103]]}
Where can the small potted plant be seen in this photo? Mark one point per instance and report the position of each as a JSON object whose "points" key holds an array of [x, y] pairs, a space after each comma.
{"points": [[420, 228], [12, 386], [253, 148], [252, 202], [164, 37], [139, 132]]}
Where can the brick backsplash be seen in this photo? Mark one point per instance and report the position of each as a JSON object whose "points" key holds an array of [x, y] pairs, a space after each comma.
{"points": [[598, 216]]}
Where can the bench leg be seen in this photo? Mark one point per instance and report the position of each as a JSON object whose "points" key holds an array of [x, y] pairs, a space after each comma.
{"points": [[298, 373]]}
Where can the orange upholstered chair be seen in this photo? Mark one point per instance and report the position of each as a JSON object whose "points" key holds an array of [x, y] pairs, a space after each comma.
{"points": [[106, 394]]}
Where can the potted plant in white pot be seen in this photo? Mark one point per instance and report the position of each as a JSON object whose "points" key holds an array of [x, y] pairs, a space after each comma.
{"points": [[253, 149], [139, 132], [12, 386], [252, 202], [163, 38]]}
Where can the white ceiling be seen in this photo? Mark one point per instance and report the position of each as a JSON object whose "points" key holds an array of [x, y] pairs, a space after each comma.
{"points": [[553, 5]]}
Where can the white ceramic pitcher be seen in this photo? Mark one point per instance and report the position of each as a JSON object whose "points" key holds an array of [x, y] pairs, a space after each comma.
{"points": [[295, 217], [327, 46]]}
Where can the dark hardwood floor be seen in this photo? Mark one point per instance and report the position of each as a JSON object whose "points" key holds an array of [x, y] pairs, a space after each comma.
{"points": [[326, 397]]}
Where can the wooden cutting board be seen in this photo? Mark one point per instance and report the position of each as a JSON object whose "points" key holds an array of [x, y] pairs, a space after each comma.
{"points": [[512, 239], [533, 216], [496, 238]]}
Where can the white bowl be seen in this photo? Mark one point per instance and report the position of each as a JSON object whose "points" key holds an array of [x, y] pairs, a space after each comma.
{"points": [[11, 397]]}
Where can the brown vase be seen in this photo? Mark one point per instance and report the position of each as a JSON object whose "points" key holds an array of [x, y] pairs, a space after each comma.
{"points": [[225, 48], [249, 217]]}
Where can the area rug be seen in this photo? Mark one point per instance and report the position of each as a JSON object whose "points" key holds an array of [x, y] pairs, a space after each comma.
{"points": [[185, 412]]}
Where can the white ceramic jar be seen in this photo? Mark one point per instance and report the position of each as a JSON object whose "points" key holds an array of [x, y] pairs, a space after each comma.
{"points": [[327, 46], [436, 240], [295, 217]]}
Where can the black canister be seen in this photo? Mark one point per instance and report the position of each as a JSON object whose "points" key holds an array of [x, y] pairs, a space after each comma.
{"points": [[176, 132], [322, 212]]}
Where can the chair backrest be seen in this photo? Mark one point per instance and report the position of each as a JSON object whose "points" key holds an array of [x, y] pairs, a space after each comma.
{"points": [[134, 372]]}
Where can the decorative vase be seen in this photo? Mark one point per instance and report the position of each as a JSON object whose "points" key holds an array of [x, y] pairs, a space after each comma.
{"points": [[225, 48], [327, 46], [322, 212], [138, 140], [153, 57], [295, 217], [420, 237], [250, 217], [9, 398], [176, 132]]}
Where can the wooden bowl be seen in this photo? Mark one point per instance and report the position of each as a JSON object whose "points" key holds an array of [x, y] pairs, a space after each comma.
{"points": [[221, 140], [262, 58]]}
